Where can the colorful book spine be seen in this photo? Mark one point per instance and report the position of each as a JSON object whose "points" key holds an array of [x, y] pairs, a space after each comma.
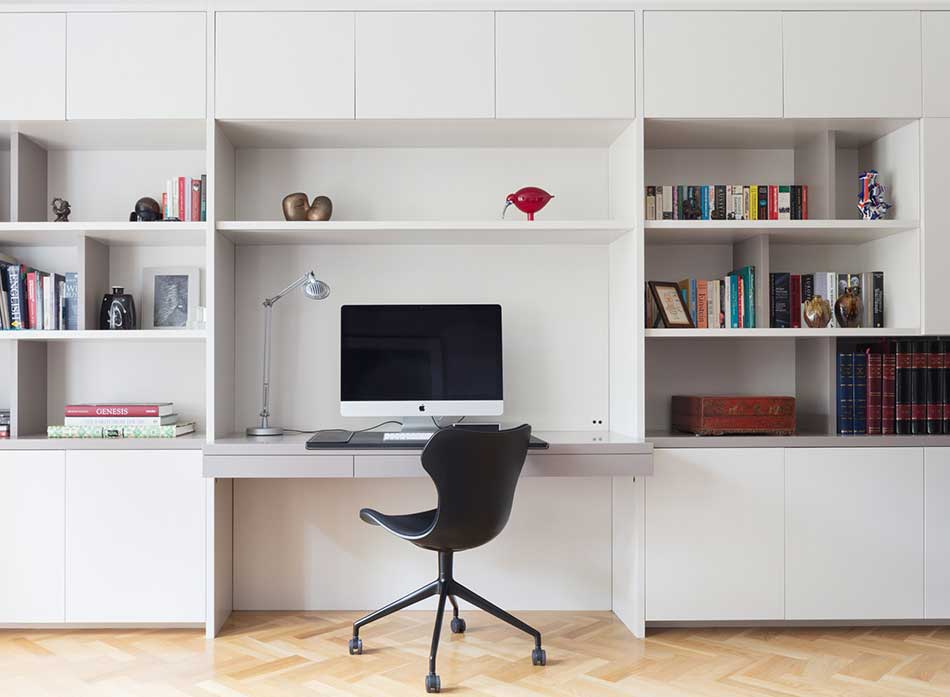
{"points": [[204, 197], [845, 393], [935, 397], [81, 432], [702, 304], [888, 392], [113, 410], [763, 213], [795, 300], [859, 402], [119, 421], [779, 300], [875, 392], [170, 431], [784, 203], [945, 385], [903, 386]]}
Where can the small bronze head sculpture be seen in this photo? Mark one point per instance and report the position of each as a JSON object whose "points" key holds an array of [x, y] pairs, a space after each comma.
{"points": [[146, 210], [61, 210], [297, 207]]}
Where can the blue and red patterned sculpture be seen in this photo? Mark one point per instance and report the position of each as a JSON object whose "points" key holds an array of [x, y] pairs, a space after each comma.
{"points": [[871, 201]]}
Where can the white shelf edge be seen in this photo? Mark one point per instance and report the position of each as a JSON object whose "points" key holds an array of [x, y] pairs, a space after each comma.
{"points": [[190, 441], [422, 225], [104, 335], [101, 226], [773, 332]]}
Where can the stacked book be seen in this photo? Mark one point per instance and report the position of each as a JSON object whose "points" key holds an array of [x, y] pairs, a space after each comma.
{"points": [[4, 423], [33, 299], [186, 199], [727, 202], [789, 292], [894, 387], [151, 420], [727, 303]]}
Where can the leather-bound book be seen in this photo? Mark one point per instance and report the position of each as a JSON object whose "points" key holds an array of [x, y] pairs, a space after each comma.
{"points": [[875, 392], [903, 381], [918, 389], [935, 398], [888, 387]]}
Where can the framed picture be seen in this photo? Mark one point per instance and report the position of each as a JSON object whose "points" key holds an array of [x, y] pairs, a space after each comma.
{"points": [[670, 305], [170, 296]]}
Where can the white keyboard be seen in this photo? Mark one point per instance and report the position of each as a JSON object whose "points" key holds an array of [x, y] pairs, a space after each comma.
{"points": [[420, 436]]}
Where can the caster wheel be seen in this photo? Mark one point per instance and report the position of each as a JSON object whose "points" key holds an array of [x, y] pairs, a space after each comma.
{"points": [[433, 684], [458, 625], [356, 646], [539, 657]]}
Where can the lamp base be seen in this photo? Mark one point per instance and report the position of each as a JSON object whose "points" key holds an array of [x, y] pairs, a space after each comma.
{"points": [[264, 431]]}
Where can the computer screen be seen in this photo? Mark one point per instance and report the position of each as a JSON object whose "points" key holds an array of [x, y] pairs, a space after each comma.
{"points": [[420, 359]]}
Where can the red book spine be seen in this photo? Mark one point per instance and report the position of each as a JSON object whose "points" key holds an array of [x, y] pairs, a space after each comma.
{"points": [[935, 360], [165, 204], [773, 202], [804, 202], [875, 393], [111, 410], [182, 201], [195, 199], [795, 300], [888, 396], [918, 406], [31, 299]]}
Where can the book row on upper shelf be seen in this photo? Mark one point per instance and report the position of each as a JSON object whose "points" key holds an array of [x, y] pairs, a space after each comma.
{"points": [[897, 387], [33, 299], [150, 420], [727, 202], [727, 303], [826, 299], [4, 424], [184, 199]]}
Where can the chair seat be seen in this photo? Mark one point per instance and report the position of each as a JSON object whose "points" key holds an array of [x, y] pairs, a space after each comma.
{"points": [[409, 526]]}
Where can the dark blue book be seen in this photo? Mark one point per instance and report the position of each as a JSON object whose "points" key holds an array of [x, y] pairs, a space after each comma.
{"points": [[71, 301], [859, 402], [780, 302], [845, 394]]}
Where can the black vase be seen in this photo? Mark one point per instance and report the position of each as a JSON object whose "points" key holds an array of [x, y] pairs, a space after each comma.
{"points": [[117, 311]]}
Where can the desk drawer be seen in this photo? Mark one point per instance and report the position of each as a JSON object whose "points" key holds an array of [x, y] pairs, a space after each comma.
{"points": [[278, 466], [388, 466], [537, 465]]}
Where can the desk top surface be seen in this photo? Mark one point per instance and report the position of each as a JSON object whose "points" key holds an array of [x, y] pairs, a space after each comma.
{"points": [[560, 443]]}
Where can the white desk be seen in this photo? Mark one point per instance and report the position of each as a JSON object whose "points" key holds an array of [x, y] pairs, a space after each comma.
{"points": [[570, 454]]}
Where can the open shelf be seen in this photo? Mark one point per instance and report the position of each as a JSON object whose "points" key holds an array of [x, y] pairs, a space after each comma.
{"points": [[589, 232], [149, 335], [765, 332], [158, 234], [802, 439], [817, 232], [114, 134]]}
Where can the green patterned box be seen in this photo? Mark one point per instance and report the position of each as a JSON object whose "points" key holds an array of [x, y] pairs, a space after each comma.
{"points": [[149, 431]]}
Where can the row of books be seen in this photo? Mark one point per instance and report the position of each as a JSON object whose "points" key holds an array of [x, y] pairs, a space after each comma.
{"points": [[186, 199], [728, 302], [33, 299], [788, 294], [727, 202], [4, 423], [153, 420], [894, 387]]}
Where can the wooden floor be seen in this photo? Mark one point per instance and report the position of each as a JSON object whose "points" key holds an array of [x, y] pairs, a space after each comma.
{"points": [[589, 655]]}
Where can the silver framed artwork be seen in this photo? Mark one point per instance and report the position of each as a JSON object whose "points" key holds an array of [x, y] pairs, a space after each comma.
{"points": [[170, 297]]}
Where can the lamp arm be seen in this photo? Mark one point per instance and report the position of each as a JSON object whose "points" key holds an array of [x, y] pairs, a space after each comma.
{"points": [[296, 284], [265, 408]]}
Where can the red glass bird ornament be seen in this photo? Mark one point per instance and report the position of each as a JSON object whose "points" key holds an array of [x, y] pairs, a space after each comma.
{"points": [[528, 200]]}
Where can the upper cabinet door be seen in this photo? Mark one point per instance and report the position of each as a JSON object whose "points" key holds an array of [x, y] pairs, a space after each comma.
{"points": [[412, 65], [744, 47], [136, 65], [284, 65], [935, 30], [565, 65], [852, 64], [33, 72]]}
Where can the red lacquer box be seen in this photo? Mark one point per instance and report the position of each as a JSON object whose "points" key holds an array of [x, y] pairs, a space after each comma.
{"points": [[718, 416]]}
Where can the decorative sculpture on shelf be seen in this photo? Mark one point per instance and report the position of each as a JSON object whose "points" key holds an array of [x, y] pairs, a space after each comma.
{"points": [[871, 201], [817, 312], [61, 210], [849, 308], [146, 210], [297, 207], [117, 310], [528, 200]]}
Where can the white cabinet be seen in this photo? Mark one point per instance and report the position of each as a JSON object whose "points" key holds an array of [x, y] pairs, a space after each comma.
{"points": [[712, 64], [714, 535], [284, 65], [935, 34], [412, 65], [854, 534], [565, 65], [32, 66], [852, 64], [136, 65], [31, 536], [937, 533], [935, 250], [135, 536]]}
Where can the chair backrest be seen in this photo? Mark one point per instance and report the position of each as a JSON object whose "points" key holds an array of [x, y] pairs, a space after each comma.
{"points": [[475, 474]]}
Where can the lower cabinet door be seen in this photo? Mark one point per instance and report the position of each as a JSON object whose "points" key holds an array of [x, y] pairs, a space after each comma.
{"points": [[854, 533], [714, 534], [31, 537], [135, 536], [937, 533]]}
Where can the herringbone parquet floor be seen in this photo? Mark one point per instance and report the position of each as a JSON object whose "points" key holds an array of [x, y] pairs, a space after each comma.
{"points": [[589, 655]]}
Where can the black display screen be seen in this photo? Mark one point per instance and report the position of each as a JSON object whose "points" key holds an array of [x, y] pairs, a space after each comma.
{"points": [[394, 353]]}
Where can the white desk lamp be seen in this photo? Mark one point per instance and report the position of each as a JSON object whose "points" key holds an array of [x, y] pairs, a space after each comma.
{"points": [[313, 288]]}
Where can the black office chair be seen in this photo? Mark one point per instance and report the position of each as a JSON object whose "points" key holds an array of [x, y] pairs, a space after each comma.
{"points": [[475, 474]]}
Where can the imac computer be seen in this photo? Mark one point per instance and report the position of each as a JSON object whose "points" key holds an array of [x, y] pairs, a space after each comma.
{"points": [[416, 362]]}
